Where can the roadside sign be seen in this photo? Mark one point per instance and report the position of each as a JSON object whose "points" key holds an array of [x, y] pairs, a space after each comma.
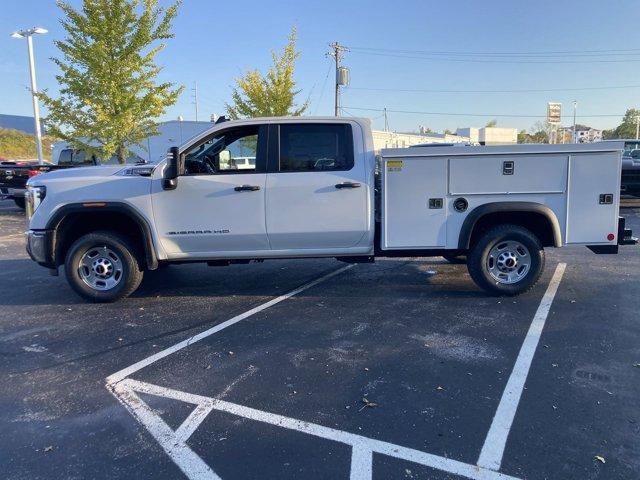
{"points": [[554, 113]]}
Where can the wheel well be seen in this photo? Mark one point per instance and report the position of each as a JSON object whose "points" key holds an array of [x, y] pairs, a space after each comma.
{"points": [[76, 224], [536, 223]]}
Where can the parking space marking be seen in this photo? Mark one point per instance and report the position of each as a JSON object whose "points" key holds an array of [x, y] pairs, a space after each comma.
{"points": [[175, 445], [195, 468], [125, 372], [494, 445]]}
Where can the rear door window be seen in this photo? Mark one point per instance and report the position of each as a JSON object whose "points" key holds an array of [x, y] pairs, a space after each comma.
{"points": [[315, 147]]}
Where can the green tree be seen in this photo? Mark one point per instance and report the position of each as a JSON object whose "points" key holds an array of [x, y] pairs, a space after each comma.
{"points": [[492, 123], [627, 129], [109, 95], [524, 137], [270, 95]]}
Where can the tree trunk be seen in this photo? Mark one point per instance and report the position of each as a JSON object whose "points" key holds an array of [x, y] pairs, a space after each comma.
{"points": [[120, 152]]}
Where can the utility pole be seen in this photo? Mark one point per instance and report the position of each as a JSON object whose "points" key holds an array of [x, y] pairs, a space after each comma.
{"points": [[195, 97], [337, 52], [575, 107], [386, 120], [34, 89], [638, 126]]}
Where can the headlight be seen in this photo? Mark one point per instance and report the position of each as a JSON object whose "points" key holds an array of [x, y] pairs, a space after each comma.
{"points": [[34, 197]]}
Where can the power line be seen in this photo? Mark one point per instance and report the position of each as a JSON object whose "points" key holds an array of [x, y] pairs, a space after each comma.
{"points": [[476, 60], [324, 84], [523, 90], [457, 114], [549, 53]]}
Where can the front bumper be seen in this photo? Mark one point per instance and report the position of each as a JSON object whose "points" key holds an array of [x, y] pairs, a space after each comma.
{"points": [[10, 193], [40, 247]]}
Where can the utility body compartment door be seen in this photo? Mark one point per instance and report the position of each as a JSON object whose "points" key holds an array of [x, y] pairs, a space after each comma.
{"points": [[317, 190], [414, 202], [593, 198]]}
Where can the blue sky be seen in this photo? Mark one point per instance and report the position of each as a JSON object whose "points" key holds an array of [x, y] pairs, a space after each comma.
{"points": [[217, 41]]}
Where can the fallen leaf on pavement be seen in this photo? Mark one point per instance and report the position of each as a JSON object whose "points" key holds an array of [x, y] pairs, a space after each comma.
{"points": [[367, 404]]}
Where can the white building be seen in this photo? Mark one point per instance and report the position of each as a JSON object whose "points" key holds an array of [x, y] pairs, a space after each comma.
{"points": [[382, 139], [583, 134], [172, 133], [490, 135]]}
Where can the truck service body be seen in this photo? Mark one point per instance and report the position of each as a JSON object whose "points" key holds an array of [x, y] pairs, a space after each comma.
{"points": [[313, 187]]}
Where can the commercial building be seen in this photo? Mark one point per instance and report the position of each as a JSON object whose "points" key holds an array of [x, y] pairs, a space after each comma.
{"points": [[583, 134], [382, 139], [21, 123], [490, 135]]}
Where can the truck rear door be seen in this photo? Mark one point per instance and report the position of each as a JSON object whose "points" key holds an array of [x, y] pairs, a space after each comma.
{"points": [[317, 193]]}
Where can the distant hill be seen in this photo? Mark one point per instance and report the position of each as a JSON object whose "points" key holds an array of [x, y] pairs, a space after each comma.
{"points": [[16, 145]]}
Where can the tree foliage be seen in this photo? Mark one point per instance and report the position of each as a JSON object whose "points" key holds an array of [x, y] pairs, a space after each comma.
{"points": [[627, 129], [109, 96], [270, 95], [492, 123]]}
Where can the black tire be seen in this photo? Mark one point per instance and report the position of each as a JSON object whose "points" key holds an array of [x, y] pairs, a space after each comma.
{"points": [[455, 259], [478, 259], [20, 202], [130, 274]]}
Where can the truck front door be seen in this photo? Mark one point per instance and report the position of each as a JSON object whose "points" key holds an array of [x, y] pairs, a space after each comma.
{"points": [[317, 190], [217, 209]]}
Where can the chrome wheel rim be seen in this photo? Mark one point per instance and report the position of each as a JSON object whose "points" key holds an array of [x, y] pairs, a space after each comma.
{"points": [[508, 262], [100, 268]]}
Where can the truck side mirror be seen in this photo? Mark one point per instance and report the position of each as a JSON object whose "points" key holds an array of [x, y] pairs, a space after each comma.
{"points": [[170, 176]]}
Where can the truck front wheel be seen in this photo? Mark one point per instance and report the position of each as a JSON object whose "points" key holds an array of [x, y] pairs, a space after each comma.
{"points": [[20, 202], [102, 267], [506, 260]]}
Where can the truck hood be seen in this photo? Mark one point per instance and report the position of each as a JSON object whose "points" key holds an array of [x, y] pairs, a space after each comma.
{"points": [[76, 173]]}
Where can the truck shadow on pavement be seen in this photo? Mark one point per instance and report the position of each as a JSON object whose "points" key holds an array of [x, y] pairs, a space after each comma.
{"points": [[434, 278]]}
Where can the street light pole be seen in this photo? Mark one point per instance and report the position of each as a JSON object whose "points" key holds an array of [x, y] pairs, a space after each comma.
{"points": [[575, 106], [34, 88]]}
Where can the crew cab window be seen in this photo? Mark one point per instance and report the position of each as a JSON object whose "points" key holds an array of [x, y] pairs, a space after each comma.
{"points": [[315, 147], [69, 156], [230, 151]]}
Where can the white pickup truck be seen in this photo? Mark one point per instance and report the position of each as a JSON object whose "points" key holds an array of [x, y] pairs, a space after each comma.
{"points": [[268, 188]]}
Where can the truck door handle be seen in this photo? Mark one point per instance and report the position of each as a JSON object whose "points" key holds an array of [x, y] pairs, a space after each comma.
{"points": [[247, 188], [347, 185]]}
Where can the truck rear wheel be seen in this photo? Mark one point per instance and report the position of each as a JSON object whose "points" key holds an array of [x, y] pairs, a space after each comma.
{"points": [[20, 202], [102, 267], [506, 260]]}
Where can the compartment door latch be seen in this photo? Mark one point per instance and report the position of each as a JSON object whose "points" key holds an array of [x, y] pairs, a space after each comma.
{"points": [[436, 203], [606, 198], [508, 167]]}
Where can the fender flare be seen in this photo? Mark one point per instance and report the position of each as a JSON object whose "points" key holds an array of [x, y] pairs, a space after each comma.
{"points": [[507, 207], [151, 258]]}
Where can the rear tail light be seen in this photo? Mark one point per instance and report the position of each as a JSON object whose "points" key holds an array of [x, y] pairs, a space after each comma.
{"points": [[33, 173]]}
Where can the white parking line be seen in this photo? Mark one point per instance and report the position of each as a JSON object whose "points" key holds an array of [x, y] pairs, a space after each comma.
{"points": [[362, 448], [125, 372], [494, 444], [175, 442]]}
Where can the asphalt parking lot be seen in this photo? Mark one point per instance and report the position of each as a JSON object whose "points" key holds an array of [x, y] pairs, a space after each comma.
{"points": [[310, 369]]}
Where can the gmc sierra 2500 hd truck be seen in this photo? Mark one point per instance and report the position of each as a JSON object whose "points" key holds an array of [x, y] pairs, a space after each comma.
{"points": [[313, 187]]}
